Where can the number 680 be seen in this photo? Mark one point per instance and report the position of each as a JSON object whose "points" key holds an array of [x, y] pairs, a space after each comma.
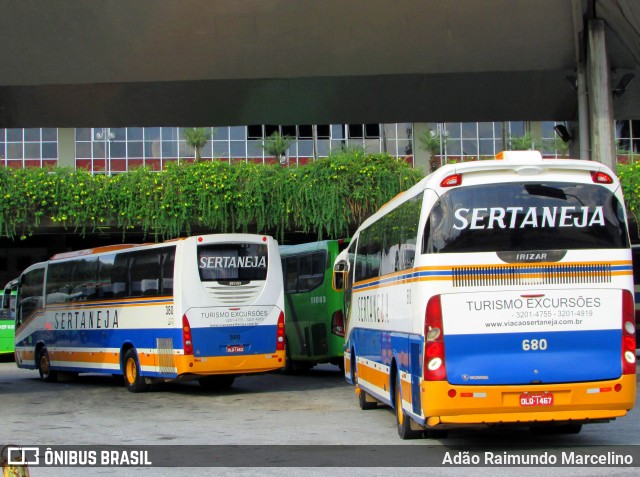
{"points": [[534, 345]]}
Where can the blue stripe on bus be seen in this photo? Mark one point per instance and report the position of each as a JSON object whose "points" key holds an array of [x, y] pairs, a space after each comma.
{"points": [[214, 341], [499, 359], [207, 342], [479, 270], [570, 356]]}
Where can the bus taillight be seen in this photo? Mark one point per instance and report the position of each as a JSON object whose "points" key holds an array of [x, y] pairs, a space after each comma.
{"points": [[628, 334], [451, 181], [337, 323], [187, 344], [601, 177], [434, 366], [280, 333]]}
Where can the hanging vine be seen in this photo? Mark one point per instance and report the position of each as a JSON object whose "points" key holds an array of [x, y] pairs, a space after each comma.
{"points": [[327, 197]]}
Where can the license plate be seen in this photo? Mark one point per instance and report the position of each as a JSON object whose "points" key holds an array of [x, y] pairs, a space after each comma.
{"points": [[235, 349], [536, 399]]}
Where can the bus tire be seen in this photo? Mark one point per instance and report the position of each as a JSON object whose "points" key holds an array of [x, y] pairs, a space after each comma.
{"points": [[134, 382], [402, 420], [288, 362], [216, 383], [44, 367], [365, 401]]}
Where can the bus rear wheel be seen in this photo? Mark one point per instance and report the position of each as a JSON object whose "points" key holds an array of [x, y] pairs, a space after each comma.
{"points": [[402, 420], [134, 382], [44, 367]]}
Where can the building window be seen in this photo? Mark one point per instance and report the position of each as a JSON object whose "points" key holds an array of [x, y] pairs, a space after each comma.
{"points": [[31, 147]]}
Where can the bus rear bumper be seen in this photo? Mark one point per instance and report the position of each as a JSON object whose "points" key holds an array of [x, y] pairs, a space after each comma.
{"points": [[241, 364], [489, 405]]}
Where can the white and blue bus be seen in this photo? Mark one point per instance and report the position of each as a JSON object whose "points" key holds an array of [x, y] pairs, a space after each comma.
{"points": [[209, 307], [491, 293]]}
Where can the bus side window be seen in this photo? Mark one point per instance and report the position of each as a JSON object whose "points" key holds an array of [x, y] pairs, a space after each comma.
{"points": [[312, 268], [145, 273], [291, 271], [119, 275], [105, 273], [84, 279], [168, 261]]}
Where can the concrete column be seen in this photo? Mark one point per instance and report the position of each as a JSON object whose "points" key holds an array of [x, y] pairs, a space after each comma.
{"points": [[600, 102], [583, 115], [534, 128], [421, 157], [67, 147]]}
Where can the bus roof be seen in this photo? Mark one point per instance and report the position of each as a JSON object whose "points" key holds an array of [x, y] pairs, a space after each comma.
{"points": [[309, 246], [95, 250]]}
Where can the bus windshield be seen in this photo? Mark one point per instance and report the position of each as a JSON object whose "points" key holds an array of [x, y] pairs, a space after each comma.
{"points": [[525, 216], [232, 261]]}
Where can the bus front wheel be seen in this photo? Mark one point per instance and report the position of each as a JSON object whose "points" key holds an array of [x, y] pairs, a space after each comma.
{"points": [[44, 367], [132, 379]]}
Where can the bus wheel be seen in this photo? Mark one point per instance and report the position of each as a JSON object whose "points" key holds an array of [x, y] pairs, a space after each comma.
{"points": [[365, 401], [134, 382], [44, 367], [403, 421], [288, 362], [217, 383]]}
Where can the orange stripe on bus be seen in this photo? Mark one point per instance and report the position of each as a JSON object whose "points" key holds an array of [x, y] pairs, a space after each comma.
{"points": [[374, 376]]}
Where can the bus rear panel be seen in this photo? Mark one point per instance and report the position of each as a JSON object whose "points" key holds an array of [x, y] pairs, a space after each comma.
{"points": [[235, 312], [314, 317], [517, 306]]}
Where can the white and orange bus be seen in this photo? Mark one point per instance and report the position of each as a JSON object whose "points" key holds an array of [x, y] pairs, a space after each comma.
{"points": [[208, 307], [491, 293]]}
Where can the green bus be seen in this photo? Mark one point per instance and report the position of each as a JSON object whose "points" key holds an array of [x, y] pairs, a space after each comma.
{"points": [[314, 324], [8, 318]]}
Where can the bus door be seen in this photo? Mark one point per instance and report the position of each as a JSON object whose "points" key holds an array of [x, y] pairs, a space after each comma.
{"points": [[151, 277]]}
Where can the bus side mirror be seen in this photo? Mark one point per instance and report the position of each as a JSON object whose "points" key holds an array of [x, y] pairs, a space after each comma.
{"points": [[340, 269]]}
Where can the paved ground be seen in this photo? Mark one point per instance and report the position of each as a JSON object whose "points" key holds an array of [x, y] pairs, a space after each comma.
{"points": [[315, 409]]}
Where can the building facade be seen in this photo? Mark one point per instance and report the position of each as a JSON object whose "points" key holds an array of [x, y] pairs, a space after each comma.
{"points": [[115, 150]]}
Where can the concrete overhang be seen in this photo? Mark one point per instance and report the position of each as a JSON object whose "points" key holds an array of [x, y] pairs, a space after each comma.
{"points": [[82, 63]]}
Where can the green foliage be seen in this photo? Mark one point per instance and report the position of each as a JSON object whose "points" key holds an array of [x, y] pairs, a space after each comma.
{"points": [[527, 142], [521, 143], [276, 145], [197, 138], [328, 197], [429, 140], [629, 175]]}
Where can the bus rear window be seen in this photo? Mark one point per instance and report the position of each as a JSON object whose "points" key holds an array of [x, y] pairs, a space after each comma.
{"points": [[525, 216], [232, 262]]}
